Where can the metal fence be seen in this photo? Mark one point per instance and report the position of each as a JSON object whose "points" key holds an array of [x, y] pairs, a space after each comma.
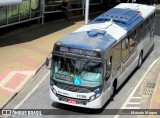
{"points": [[36, 9], [23, 12], [52, 6]]}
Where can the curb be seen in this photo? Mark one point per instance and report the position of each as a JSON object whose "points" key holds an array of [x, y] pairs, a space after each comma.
{"points": [[8, 101]]}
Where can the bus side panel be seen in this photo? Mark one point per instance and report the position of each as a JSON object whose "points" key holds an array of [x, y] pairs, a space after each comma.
{"points": [[147, 44], [127, 68], [148, 35]]}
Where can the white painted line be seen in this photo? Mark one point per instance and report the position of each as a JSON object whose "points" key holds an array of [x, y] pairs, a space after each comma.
{"points": [[134, 103], [32, 91], [155, 90], [136, 97], [131, 108], [139, 83]]}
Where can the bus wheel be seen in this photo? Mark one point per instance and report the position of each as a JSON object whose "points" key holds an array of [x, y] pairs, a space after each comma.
{"points": [[140, 60]]}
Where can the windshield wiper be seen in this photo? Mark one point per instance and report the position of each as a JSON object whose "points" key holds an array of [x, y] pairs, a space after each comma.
{"points": [[80, 70]]}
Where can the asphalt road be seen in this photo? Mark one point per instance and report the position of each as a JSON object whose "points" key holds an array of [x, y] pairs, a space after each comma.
{"points": [[36, 94]]}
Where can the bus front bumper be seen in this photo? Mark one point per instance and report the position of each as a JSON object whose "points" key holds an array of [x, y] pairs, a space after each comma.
{"points": [[95, 104]]}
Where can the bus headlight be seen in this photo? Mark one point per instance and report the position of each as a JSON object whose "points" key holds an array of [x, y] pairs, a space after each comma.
{"points": [[92, 98], [97, 94], [54, 91]]}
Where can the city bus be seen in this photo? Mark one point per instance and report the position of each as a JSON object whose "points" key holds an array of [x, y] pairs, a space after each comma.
{"points": [[89, 65]]}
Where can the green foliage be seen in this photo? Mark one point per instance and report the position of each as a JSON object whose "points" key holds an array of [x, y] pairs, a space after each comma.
{"points": [[24, 7]]}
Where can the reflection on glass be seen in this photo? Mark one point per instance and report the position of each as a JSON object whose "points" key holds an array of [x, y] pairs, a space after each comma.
{"points": [[95, 1], [35, 5], [66, 70], [55, 5], [26, 10], [117, 55], [24, 7], [35, 8], [53, 2], [3, 15], [12, 14]]}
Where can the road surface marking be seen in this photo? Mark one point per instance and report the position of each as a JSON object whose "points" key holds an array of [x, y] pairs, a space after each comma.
{"points": [[134, 103], [136, 97], [131, 108], [139, 83], [32, 91]]}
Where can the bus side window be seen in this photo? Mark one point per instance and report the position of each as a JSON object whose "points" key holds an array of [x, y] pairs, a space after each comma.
{"points": [[132, 42], [117, 55], [108, 67], [109, 63], [138, 35], [125, 48]]}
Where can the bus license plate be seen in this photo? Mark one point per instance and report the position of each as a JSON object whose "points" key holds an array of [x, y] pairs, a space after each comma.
{"points": [[72, 101]]}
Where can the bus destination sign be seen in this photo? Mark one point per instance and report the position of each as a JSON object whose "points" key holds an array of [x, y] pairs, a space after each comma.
{"points": [[79, 51]]}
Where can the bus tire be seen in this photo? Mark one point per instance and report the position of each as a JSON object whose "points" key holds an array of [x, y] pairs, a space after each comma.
{"points": [[140, 60]]}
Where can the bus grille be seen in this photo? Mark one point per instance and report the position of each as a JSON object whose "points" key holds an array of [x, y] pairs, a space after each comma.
{"points": [[73, 88], [79, 101]]}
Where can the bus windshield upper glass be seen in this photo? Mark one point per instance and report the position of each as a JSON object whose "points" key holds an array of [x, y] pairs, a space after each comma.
{"points": [[76, 71]]}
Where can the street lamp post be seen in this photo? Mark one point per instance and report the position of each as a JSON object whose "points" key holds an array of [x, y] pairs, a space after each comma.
{"points": [[86, 11]]}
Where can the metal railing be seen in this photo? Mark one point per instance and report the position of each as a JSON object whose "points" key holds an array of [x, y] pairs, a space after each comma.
{"points": [[73, 6], [26, 11], [29, 10]]}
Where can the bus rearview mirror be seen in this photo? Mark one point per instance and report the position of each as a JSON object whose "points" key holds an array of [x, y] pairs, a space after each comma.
{"points": [[48, 61]]}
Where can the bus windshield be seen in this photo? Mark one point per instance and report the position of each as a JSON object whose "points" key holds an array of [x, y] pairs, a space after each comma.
{"points": [[78, 72]]}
